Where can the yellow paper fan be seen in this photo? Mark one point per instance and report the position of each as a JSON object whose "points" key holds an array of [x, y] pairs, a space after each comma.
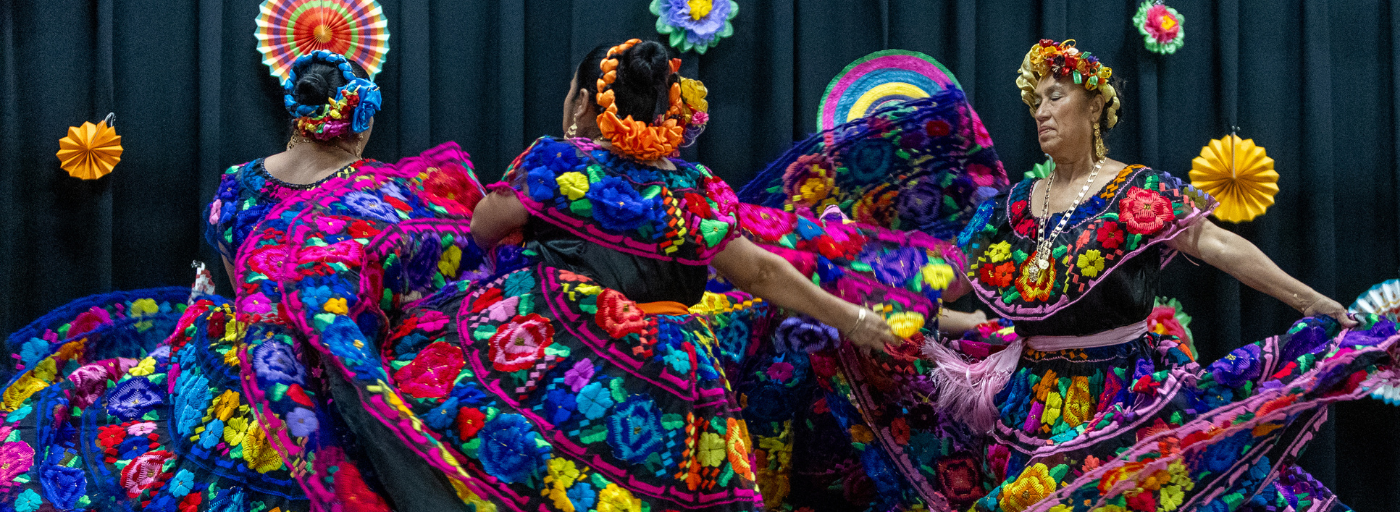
{"points": [[90, 151], [1239, 175]]}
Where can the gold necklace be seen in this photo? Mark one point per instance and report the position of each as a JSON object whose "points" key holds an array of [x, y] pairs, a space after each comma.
{"points": [[1042, 248]]}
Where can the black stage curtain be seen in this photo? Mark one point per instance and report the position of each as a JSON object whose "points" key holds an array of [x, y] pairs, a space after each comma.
{"points": [[1313, 82]]}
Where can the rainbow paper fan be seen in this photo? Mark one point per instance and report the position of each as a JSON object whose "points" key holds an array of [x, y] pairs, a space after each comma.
{"points": [[1381, 299], [288, 29], [879, 80], [1239, 175]]}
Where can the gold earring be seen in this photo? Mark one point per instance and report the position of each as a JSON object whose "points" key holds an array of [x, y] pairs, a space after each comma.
{"points": [[573, 130], [297, 138], [1099, 151]]}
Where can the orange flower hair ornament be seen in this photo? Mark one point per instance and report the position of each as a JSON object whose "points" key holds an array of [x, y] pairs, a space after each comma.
{"points": [[645, 141]]}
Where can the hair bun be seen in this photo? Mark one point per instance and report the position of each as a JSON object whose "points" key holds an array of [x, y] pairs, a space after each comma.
{"points": [[645, 63], [312, 89]]}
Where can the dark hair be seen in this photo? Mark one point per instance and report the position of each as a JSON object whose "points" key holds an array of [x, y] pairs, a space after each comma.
{"points": [[643, 79], [318, 81]]}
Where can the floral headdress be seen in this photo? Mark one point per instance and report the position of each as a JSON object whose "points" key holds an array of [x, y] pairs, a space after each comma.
{"points": [[1063, 60], [350, 110], [663, 136]]}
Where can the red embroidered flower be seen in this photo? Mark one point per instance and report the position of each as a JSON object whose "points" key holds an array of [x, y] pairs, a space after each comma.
{"points": [[486, 299], [619, 316], [88, 320], [937, 128], [450, 187], [143, 471], [432, 371], [1146, 212], [997, 275], [348, 251], [1142, 501], [363, 229], [350, 490], [1109, 235], [960, 480], [519, 343], [469, 421], [697, 205], [723, 196]]}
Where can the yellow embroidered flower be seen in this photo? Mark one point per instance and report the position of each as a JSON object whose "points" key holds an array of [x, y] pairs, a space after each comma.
{"points": [[572, 184], [862, 434], [563, 472], [560, 496], [937, 275], [451, 259], [144, 307], [1078, 402], [147, 366], [815, 189], [1171, 498], [737, 444], [32, 382], [905, 324], [235, 430], [258, 452], [999, 252], [337, 306], [1053, 406], [711, 449], [617, 499], [1090, 263], [225, 405], [1177, 470], [1033, 485], [1155, 480]]}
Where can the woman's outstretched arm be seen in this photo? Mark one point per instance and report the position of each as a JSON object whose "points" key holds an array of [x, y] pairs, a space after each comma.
{"points": [[773, 279], [1240, 258]]}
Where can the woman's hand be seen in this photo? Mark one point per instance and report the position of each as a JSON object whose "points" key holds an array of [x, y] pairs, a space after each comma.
{"points": [[871, 332], [1324, 306]]}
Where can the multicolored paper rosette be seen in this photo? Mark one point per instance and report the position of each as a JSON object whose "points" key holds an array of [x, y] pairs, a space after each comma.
{"points": [[1041, 170], [879, 80], [1381, 299], [288, 29], [1238, 174], [90, 151], [1160, 27], [695, 24]]}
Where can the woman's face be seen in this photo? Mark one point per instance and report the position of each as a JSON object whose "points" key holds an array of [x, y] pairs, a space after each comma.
{"points": [[1065, 118]]}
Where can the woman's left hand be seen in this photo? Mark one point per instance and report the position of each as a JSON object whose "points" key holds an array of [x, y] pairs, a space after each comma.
{"points": [[1327, 307]]}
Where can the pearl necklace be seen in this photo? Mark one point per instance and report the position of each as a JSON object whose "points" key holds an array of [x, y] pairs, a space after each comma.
{"points": [[1042, 248]]}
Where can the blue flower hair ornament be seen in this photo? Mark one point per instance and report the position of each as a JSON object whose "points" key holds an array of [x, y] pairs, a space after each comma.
{"points": [[354, 104]]}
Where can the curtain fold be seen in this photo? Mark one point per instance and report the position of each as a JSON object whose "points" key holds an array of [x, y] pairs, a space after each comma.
{"points": [[1312, 82]]}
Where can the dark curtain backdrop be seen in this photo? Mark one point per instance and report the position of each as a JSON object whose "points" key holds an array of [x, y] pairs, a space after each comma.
{"points": [[1313, 82]]}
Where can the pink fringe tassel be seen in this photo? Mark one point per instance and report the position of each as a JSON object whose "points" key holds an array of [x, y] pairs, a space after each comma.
{"points": [[967, 391]]}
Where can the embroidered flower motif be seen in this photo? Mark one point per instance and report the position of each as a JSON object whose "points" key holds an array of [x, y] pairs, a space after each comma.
{"points": [[133, 398], [519, 343], [1109, 235], [998, 275], [1146, 212], [594, 400], [619, 316], [800, 334], [511, 450], [302, 422], [371, 206], [767, 224], [723, 196], [617, 499], [1090, 263], [470, 421], [452, 187], [999, 252], [634, 429], [1238, 367], [15, 460], [937, 275], [348, 252], [1040, 289], [88, 321], [275, 361], [579, 374], [142, 472], [736, 439], [573, 185], [1033, 485], [618, 206]]}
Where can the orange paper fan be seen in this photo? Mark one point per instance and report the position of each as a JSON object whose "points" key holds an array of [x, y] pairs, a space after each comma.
{"points": [[90, 151], [1239, 175]]}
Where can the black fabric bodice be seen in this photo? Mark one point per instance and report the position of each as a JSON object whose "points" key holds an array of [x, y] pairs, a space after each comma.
{"points": [[640, 278], [1126, 296]]}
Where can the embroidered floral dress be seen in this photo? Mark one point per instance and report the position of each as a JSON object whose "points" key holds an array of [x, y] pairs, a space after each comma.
{"points": [[155, 421], [1139, 425]]}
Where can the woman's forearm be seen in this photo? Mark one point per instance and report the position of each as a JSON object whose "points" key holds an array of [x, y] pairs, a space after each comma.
{"points": [[1240, 258], [771, 278]]}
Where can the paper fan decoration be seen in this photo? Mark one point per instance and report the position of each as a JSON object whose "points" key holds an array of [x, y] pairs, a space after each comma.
{"points": [[695, 24], [1160, 27], [288, 29], [1239, 175], [1381, 299], [90, 151], [879, 80]]}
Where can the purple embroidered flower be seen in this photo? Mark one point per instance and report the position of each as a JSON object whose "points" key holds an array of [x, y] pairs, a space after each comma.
{"points": [[694, 24], [133, 398], [1308, 336], [896, 266], [370, 205], [804, 335], [920, 206], [510, 450], [1238, 366], [63, 485], [302, 422], [275, 362], [15, 459], [1382, 331], [617, 206], [423, 264], [578, 376]]}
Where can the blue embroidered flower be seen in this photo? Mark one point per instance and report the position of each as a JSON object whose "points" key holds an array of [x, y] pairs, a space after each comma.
{"points": [[511, 450], [213, 433], [28, 501], [228, 187], [1223, 454], [594, 400], [470, 394], [346, 341], [246, 220], [423, 262], [1238, 367], [32, 351], [540, 184], [679, 361], [370, 206], [519, 283], [978, 222], [921, 205], [799, 334], [132, 398], [314, 297], [617, 206], [302, 422], [191, 399], [182, 484], [634, 429], [868, 160], [560, 156], [582, 496], [276, 362], [559, 406], [63, 486], [440, 417]]}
